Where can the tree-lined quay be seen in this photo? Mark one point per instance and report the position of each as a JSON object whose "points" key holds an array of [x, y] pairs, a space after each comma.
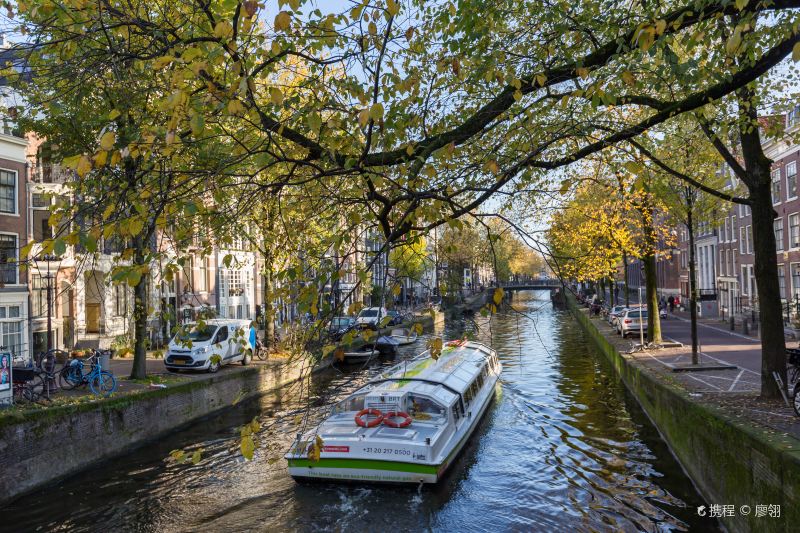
{"points": [[213, 181]]}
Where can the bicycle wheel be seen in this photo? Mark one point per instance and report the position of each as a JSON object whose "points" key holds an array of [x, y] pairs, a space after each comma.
{"points": [[796, 399], [70, 377], [103, 384], [24, 394], [39, 387]]}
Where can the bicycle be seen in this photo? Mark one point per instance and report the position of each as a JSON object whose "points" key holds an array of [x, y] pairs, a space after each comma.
{"points": [[27, 384], [101, 382], [793, 354], [260, 353]]}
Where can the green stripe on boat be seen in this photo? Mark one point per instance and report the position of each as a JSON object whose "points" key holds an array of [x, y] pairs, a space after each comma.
{"points": [[367, 464]]}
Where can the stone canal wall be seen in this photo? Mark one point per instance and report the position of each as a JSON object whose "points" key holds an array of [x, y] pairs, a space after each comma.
{"points": [[41, 446], [731, 463], [53, 443]]}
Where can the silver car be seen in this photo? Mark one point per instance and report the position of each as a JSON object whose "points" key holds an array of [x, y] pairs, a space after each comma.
{"points": [[631, 321], [614, 313]]}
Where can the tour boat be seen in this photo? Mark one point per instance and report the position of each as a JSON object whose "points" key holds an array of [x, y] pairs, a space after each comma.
{"points": [[404, 336], [406, 425], [383, 345], [360, 355]]}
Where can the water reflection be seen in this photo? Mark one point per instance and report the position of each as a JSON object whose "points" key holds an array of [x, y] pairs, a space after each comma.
{"points": [[562, 447]]}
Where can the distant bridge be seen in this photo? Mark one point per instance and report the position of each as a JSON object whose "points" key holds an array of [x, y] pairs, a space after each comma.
{"points": [[533, 284]]}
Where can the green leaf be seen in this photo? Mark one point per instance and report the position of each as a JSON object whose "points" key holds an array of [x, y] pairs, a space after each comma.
{"points": [[59, 247], [796, 52]]}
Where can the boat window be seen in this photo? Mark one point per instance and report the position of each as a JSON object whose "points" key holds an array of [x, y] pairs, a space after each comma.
{"points": [[424, 408], [354, 403], [458, 410]]}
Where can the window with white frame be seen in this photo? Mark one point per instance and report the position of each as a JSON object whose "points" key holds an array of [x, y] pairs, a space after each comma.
{"points": [[730, 264], [722, 269], [120, 299], [782, 281], [726, 231], [8, 191], [777, 225], [733, 228], [8, 259], [776, 186], [11, 329], [745, 280], [749, 239], [791, 180], [39, 296], [794, 230], [742, 241], [235, 286], [795, 269]]}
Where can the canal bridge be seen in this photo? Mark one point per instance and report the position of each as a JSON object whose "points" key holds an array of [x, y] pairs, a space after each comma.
{"points": [[533, 284]]}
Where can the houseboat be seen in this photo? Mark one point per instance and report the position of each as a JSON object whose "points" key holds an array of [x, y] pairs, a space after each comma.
{"points": [[407, 425]]}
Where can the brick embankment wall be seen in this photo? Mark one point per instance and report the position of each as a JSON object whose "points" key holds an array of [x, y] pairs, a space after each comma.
{"points": [[730, 462], [43, 446]]}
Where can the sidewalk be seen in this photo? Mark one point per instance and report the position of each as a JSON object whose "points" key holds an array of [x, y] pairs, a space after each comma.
{"points": [[735, 390]]}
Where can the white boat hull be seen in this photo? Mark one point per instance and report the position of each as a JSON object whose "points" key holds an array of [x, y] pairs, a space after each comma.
{"points": [[361, 474]]}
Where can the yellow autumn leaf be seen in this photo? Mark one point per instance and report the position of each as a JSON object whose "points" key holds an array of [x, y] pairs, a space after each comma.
{"points": [[223, 30], [491, 166], [376, 112], [363, 118], [161, 62], [283, 21], [235, 107], [276, 95], [84, 166], [541, 79], [498, 295], [107, 140], [248, 447], [796, 52], [583, 72], [196, 456], [628, 78], [100, 158]]}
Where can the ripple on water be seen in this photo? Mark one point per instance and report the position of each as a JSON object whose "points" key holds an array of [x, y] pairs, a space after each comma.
{"points": [[562, 448]]}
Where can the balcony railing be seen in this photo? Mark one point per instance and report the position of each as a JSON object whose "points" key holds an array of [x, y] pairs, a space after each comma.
{"points": [[51, 174]]}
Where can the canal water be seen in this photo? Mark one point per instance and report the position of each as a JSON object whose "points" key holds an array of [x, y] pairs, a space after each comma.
{"points": [[562, 448]]}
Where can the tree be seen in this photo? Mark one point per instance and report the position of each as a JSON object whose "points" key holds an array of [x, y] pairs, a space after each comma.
{"points": [[685, 149]]}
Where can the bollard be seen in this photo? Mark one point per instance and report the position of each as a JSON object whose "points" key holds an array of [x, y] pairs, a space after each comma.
{"points": [[733, 324], [744, 327]]}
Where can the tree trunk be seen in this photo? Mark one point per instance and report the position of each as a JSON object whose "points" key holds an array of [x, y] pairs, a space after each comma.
{"points": [[773, 346], [692, 279], [759, 183], [611, 292], [139, 368], [625, 278], [269, 319], [651, 295]]}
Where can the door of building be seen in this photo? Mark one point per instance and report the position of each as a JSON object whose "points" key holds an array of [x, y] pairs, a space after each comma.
{"points": [[93, 318]]}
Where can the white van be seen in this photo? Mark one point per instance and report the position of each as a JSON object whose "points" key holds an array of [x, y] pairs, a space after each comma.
{"points": [[195, 348]]}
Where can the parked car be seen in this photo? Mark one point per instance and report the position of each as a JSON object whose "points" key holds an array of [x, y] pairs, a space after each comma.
{"points": [[194, 348], [397, 317], [371, 316], [614, 313], [340, 325], [629, 322]]}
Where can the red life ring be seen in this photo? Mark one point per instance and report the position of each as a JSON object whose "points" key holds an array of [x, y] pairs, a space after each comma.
{"points": [[387, 419], [371, 423]]}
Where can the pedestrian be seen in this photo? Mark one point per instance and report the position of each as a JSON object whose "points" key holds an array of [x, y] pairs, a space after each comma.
{"points": [[671, 303]]}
